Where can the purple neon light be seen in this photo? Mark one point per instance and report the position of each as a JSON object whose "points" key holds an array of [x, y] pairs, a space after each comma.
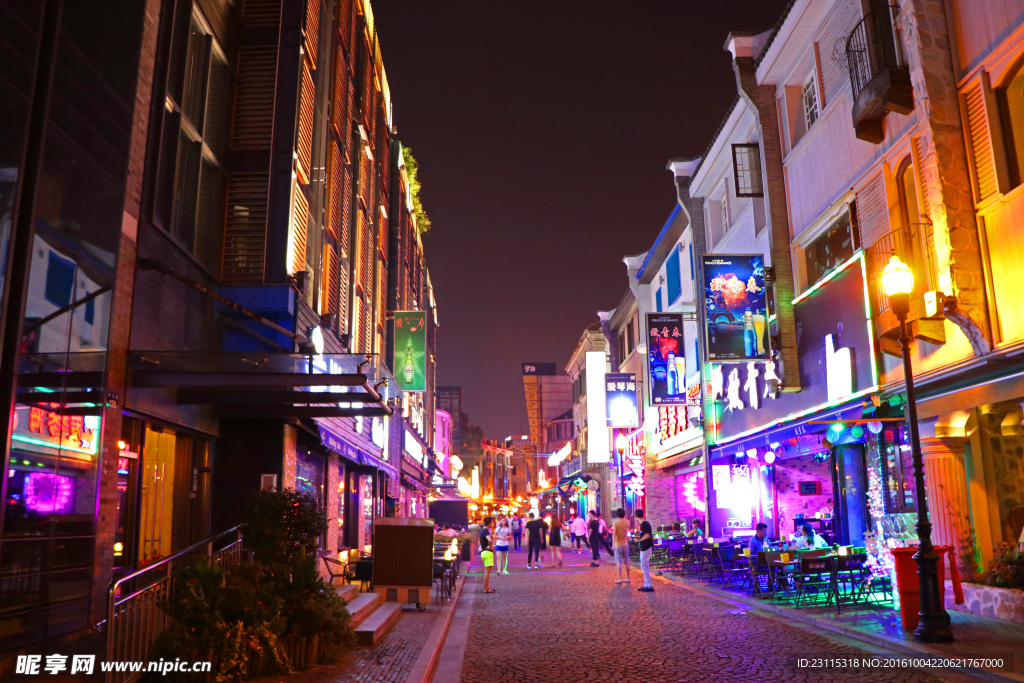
{"points": [[47, 493]]}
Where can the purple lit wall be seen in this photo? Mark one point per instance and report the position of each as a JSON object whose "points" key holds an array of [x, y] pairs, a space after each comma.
{"points": [[690, 495], [47, 493], [788, 475]]}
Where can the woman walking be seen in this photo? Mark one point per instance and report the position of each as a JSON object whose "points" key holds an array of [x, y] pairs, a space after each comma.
{"points": [[486, 554], [555, 540], [501, 536]]}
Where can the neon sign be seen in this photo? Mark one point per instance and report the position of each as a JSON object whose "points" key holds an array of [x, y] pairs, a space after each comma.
{"points": [[47, 493], [635, 460], [41, 427]]}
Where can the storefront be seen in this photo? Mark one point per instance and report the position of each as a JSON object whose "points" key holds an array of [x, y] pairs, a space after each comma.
{"points": [[789, 459], [675, 491]]}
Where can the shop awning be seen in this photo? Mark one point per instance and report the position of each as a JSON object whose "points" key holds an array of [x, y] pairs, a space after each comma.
{"points": [[345, 449], [798, 427], [269, 385]]}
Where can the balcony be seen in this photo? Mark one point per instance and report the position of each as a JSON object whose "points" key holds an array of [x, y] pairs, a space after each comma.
{"points": [[879, 77], [914, 246]]}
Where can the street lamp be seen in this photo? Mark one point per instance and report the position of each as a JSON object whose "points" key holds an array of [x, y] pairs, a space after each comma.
{"points": [[933, 626]]}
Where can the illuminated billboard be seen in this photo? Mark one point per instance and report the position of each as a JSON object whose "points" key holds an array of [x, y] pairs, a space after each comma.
{"points": [[598, 445], [666, 358], [620, 399], [410, 361], [735, 308]]}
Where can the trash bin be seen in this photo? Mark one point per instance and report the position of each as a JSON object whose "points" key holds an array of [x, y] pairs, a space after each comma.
{"points": [[908, 586]]}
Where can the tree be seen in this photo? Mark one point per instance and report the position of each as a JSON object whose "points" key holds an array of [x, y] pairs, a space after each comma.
{"points": [[472, 435], [412, 169]]}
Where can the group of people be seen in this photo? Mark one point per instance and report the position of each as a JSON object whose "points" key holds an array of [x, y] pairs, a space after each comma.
{"points": [[494, 536]]}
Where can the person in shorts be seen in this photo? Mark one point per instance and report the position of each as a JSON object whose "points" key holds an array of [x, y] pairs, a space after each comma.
{"points": [[502, 533], [486, 553], [646, 543], [620, 543]]}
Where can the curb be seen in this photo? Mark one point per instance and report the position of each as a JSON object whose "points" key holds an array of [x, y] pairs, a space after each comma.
{"points": [[850, 632], [425, 666]]}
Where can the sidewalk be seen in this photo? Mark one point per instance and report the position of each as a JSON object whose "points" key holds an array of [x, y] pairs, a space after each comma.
{"points": [[880, 626]]}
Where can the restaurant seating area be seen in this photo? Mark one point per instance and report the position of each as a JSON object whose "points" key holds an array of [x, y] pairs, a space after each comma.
{"points": [[835, 578], [446, 567]]}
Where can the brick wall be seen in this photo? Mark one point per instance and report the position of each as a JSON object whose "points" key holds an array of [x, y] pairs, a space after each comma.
{"points": [[788, 475], [120, 325], [290, 459], [660, 499]]}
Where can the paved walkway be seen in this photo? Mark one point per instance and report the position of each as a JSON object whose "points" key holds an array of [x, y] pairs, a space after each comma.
{"points": [[574, 621]]}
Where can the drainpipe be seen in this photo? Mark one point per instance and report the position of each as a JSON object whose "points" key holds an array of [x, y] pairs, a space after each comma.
{"points": [[761, 99]]}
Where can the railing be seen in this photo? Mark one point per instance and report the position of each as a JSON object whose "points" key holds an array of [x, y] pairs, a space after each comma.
{"points": [[134, 617], [906, 243], [873, 47], [571, 466]]}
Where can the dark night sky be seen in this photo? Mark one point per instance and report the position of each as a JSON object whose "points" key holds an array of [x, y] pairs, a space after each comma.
{"points": [[542, 131]]}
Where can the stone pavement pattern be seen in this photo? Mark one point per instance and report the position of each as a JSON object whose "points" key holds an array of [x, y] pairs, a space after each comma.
{"points": [[574, 623], [389, 661]]}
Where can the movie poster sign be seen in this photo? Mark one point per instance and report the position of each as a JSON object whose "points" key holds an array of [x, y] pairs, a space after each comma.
{"points": [[410, 362], [666, 358], [735, 308], [620, 394]]}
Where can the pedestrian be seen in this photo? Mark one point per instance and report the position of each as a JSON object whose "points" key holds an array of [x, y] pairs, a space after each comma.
{"points": [[575, 537], [603, 533], [501, 535], [646, 543], [620, 541], [474, 535], [555, 541], [486, 554], [517, 531], [535, 529], [594, 528]]}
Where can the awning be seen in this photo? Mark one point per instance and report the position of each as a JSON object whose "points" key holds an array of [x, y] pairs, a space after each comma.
{"points": [[345, 449], [270, 385], [849, 411], [410, 483]]}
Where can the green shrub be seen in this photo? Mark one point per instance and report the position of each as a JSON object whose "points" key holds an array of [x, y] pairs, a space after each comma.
{"points": [[278, 524], [1006, 569]]}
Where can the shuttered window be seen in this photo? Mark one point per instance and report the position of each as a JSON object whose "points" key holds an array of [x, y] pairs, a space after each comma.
{"points": [[872, 211], [335, 186], [245, 228], [261, 13], [254, 98], [780, 104], [339, 102], [986, 184], [299, 230], [831, 44], [312, 30], [304, 146]]}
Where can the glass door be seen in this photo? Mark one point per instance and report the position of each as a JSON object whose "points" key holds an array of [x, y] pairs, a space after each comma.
{"points": [[850, 518]]}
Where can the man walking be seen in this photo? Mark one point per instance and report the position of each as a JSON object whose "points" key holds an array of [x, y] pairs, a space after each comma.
{"points": [[578, 527], [603, 533], [535, 530], [517, 531], [594, 527], [620, 541], [646, 543]]}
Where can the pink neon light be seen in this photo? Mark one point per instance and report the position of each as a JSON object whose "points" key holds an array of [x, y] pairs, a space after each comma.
{"points": [[47, 493]]}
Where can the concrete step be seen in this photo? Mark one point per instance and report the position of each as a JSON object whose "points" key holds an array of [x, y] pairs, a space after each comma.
{"points": [[378, 624], [347, 592], [363, 605]]}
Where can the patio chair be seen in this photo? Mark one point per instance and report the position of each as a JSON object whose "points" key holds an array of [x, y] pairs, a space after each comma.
{"points": [[778, 578], [701, 559], [816, 576], [440, 579], [675, 555], [851, 579], [335, 569], [758, 568]]}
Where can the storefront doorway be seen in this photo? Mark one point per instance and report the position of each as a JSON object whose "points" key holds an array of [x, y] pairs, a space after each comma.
{"points": [[851, 505]]}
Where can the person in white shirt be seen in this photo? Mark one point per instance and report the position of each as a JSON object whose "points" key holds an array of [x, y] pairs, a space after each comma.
{"points": [[808, 540], [826, 510], [502, 533], [578, 529]]}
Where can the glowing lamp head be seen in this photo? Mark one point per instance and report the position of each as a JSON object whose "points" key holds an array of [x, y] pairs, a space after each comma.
{"points": [[769, 458], [898, 282], [620, 443]]}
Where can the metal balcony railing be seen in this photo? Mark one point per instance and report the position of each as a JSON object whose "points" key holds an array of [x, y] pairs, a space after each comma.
{"points": [[134, 617], [873, 46], [914, 246]]}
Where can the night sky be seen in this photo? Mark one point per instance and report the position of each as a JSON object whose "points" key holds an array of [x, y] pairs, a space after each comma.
{"points": [[542, 132]]}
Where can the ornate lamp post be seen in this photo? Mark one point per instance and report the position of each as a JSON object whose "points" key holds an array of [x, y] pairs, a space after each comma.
{"points": [[933, 627]]}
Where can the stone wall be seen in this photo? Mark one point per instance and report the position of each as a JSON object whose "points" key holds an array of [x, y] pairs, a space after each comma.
{"points": [[1006, 604], [1003, 450]]}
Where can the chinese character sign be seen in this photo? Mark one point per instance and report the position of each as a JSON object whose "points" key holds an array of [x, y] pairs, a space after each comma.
{"points": [[38, 429], [620, 395], [666, 358], [410, 361], [735, 308], [634, 462]]}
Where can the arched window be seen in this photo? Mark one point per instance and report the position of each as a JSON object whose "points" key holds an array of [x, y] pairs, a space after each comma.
{"points": [[912, 241], [1011, 105]]}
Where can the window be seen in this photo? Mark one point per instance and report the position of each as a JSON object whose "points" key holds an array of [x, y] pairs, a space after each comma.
{"points": [[657, 300], [724, 206], [672, 276], [630, 336], [916, 234], [690, 246], [1011, 105], [830, 249], [810, 100], [897, 470], [195, 134], [746, 168]]}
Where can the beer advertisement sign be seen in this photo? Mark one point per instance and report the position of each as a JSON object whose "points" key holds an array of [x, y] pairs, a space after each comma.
{"points": [[410, 361], [666, 358], [735, 308]]}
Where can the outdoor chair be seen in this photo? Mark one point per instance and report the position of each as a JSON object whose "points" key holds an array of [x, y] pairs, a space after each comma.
{"points": [[701, 559], [675, 554], [440, 579], [336, 569], [851, 580], [778, 576], [758, 567], [816, 577]]}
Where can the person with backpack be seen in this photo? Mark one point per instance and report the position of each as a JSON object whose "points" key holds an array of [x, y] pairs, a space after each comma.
{"points": [[517, 531]]}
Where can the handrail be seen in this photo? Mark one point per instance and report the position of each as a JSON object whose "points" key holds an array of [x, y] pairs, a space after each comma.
{"points": [[116, 583], [868, 52]]}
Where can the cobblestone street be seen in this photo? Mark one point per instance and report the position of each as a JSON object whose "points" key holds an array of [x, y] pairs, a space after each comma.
{"points": [[541, 624]]}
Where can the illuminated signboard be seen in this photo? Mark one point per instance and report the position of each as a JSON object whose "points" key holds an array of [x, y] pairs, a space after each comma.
{"points": [[735, 308], [666, 358], [671, 421], [598, 446], [39, 429], [413, 448], [620, 393], [634, 459], [410, 360]]}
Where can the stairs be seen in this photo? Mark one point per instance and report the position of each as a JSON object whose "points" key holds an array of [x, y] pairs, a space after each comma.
{"points": [[372, 617]]}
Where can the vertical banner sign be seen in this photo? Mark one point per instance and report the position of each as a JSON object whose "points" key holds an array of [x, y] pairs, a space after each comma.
{"points": [[666, 358], [410, 361], [735, 308], [598, 443], [635, 462], [620, 393]]}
